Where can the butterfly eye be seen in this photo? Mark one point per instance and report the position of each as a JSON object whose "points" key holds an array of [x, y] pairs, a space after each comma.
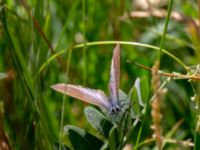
{"points": [[115, 109]]}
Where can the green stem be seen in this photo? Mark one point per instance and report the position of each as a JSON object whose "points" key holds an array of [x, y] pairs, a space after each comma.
{"points": [[61, 123], [196, 91], [165, 29], [111, 42], [84, 48]]}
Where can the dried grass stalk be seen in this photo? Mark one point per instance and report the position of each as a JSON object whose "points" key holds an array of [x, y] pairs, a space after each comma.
{"points": [[156, 106]]}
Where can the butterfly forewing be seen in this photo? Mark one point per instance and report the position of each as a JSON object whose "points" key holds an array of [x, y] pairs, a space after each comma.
{"points": [[96, 97], [114, 75]]}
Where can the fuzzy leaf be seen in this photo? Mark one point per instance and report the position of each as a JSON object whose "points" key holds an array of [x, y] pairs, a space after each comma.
{"points": [[124, 100], [98, 121], [139, 96], [136, 106], [82, 140], [144, 88]]}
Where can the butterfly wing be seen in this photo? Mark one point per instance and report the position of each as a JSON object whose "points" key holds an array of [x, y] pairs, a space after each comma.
{"points": [[96, 97], [114, 75]]}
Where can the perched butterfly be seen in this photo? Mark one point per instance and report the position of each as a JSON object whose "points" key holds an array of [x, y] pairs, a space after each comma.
{"points": [[98, 97]]}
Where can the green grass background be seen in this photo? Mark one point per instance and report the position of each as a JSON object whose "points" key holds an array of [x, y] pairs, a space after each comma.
{"points": [[32, 110]]}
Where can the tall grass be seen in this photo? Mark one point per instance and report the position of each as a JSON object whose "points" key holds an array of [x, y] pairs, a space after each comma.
{"points": [[46, 42]]}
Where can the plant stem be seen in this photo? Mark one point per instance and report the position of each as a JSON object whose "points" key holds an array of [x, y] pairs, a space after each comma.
{"points": [[165, 29], [112, 42]]}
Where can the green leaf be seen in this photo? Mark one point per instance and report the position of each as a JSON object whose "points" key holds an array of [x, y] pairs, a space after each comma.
{"points": [[98, 121], [124, 100], [197, 139], [139, 95], [122, 96], [136, 106], [105, 146], [82, 140], [113, 138], [144, 87]]}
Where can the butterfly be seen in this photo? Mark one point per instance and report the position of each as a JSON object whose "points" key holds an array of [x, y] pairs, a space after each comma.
{"points": [[98, 97]]}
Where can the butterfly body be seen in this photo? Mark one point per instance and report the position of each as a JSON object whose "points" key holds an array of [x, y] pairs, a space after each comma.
{"points": [[114, 106]]}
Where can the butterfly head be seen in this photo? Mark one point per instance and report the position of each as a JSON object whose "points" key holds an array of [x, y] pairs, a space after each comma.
{"points": [[115, 109], [115, 106]]}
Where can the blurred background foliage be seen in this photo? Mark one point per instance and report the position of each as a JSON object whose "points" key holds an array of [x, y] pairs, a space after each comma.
{"points": [[31, 31]]}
